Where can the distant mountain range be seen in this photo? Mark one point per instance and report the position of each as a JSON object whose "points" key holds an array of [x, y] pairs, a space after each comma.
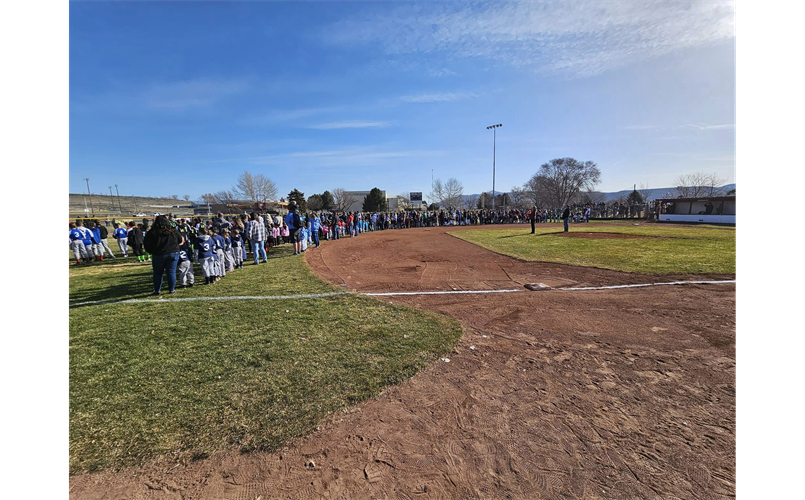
{"points": [[652, 193]]}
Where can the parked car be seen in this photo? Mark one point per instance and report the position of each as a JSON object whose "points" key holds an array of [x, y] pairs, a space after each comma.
{"points": [[140, 214]]}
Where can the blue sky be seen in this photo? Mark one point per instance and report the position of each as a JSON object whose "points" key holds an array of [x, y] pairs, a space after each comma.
{"points": [[181, 97]]}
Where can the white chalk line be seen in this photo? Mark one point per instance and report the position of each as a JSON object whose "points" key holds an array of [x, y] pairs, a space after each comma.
{"points": [[638, 285], [442, 292], [383, 294]]}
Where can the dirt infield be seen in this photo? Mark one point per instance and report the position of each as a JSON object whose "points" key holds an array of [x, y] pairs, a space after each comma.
{"points": [[626, 393]]}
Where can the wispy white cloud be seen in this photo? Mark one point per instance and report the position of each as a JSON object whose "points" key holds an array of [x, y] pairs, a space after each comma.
{"points": [[701, 126], [440, 72], [351, 157], [289, 115], [348, 124], [579, 38], [191, 93], [438, 97]]}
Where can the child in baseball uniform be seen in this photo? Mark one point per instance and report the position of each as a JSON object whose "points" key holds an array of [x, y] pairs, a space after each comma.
{"points": [[229, 255], [236, 240], [122, 237], [220, 264], [205, 255], [184, 270], [86, 236], [77, 244]]}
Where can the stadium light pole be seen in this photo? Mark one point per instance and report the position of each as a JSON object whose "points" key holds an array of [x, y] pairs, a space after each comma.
{"points": [[119, 205], [90, 197], [494, 138]]}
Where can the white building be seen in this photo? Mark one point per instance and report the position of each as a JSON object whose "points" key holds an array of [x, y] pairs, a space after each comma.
{"points": [[357, 200]]}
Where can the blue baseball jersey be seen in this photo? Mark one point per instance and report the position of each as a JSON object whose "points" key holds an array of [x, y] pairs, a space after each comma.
{"points": [[75, 235], [86, 236], [205, 247], [185, 254], [237, 241], [121, 233], [96, 234], [219, 241]]}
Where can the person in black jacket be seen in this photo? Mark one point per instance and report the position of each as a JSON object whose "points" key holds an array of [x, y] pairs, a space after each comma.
{"points": [[136, 241], [163, 241], [566, 216]]}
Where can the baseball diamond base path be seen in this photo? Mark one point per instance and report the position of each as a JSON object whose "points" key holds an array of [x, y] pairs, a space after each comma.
{"points": [[625, 393]]}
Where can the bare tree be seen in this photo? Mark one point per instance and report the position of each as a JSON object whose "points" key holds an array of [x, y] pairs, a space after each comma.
{"points": [[697, 185], [343, 199], [224, 197], [470, 202], [453, 191], [563, 178], [449, 194], [437, 191], [207, 199], [174, 197], [403, 203], [256, 188], [186, 197], [519, 197], [534, 192]]}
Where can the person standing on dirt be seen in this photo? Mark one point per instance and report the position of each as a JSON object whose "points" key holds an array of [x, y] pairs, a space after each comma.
{"points": [[566, 216], [533, 217]]}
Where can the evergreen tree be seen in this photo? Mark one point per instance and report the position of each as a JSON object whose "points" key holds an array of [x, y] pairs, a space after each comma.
{"points": [[327, 200], [634, 198], [375, 201], [299, 198], [315, 202]]}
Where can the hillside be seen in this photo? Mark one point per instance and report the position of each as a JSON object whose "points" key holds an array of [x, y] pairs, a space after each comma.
{"points": [[112, 205]]}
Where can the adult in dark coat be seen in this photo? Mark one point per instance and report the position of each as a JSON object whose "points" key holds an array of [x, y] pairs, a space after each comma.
{"points": [[163, 241], [566, 216], [533, 217], [136, 241]]}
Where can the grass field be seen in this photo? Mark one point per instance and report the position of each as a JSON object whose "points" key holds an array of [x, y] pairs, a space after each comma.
{"points": [[651, 248], [184, 379]]}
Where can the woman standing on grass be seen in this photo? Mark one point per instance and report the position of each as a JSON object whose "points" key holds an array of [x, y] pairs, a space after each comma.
{"points": [[135, 239], [162, 241]]}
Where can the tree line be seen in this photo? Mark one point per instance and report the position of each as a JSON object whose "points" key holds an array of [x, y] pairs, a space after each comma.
{"points": [[558, 182]]}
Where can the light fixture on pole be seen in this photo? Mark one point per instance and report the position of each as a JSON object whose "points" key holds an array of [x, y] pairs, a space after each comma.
{"points": [[90, 196], [494, 137]]}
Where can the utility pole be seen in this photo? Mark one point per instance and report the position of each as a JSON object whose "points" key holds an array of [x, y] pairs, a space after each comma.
{"points": [[118, 200], [111, 198], [90, 197], [494, 137]]}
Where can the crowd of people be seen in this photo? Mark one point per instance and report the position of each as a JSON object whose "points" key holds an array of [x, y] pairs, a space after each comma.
{"points": [[222, 244]]}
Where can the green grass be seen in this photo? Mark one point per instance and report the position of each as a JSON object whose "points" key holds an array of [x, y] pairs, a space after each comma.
{"points": [[659, 250], [185, 379]]}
